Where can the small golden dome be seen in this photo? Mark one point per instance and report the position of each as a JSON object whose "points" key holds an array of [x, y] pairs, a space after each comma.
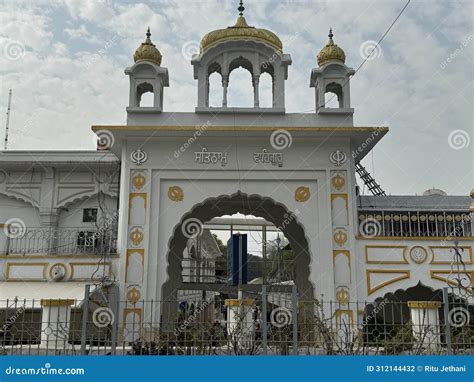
{"points": [[241, 31], [331, 52], [147, 51]]}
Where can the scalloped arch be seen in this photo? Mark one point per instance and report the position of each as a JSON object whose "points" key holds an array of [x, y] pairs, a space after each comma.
{"points": [[253, 204], [20, 197], [76, 198]]}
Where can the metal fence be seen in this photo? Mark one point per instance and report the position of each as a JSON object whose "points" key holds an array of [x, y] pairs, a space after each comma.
{"points": [[284, 325], [415, 224], [61, 241]]}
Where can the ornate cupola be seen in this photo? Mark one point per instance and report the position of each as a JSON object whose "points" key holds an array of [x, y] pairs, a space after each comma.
{"points": [[146, 75], [241, 45], [331, 79]]}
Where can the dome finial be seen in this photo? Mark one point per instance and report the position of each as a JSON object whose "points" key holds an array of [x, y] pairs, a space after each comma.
{"points": [[147, 51], [241, 8], [330, 52]]}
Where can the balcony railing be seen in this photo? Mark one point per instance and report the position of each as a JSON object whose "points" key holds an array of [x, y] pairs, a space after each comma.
{"points": [[415, 224], [60, 241]]}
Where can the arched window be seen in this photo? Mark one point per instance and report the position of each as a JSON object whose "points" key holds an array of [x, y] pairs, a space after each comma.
{"points": [[333, 96], [215, 86], [145, 96], [266, 90], [240, 90]]}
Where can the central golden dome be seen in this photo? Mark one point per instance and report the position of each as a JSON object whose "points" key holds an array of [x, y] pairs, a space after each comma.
{"points": [[241, 31]]}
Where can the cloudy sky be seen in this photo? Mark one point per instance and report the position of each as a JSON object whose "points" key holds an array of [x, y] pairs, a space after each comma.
{"points": [[64, 60]]}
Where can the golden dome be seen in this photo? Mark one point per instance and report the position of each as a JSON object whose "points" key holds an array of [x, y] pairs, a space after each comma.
{"points": [[147, 51], [331, 52], [241, 31]]}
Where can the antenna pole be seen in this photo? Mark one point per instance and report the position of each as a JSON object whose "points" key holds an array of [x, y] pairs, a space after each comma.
{"points": [[7, 124]]}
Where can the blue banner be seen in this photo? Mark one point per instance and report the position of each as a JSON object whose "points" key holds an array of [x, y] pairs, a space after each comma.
{"points": [[230, 369]]}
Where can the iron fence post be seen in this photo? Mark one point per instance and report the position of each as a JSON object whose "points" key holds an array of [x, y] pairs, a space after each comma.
{"points": [[447, 326], [85, 316], [264, 320], [115, 308], [294, 298]]}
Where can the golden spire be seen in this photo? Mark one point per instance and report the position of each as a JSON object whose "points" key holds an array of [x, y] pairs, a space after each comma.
{"points": [[147, 51], [331, 52]]}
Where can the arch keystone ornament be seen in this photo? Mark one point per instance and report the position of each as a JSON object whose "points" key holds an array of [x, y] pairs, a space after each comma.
{"points": [[176, 194], [302, 194]]}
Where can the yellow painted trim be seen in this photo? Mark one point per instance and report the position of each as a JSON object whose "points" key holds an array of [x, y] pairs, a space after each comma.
{"points": [[404, 247], [236, 302], [57, 302], [238, 128], [468, 248], [424, 304], [370, 290], [9, 265], [425, 238], [434, 276], [141, 252], [72, 265]]}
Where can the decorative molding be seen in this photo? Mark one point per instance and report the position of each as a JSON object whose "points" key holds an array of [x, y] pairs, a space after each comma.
{"points": [[136, 236], [423, 238], [468, 249], [139, 181], [338, 158], [340, 237], [404, 275], [60, 265], [176, 194], [10, 265], [133, 295], [139, 156], [130, 252], [302, 194], [402, 247], [418, 254], [343, 295], [338, 182]]}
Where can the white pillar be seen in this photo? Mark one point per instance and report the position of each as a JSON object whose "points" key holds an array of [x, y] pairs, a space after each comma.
{"points": [[240, 325], [425, 322], [225, 84], [256, 98], [56, 317]]}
